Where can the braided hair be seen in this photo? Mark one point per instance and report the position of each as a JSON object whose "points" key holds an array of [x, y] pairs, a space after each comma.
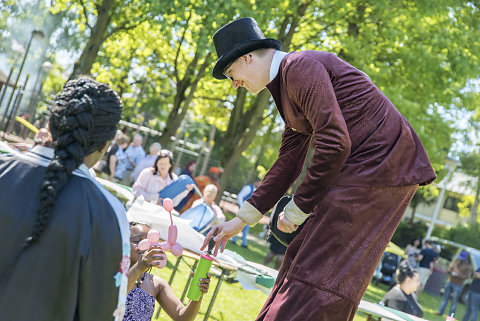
{"points": [[83, 119]]}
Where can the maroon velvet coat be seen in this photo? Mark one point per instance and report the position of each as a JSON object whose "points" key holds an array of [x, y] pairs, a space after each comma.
{"points": [[366, 166]]}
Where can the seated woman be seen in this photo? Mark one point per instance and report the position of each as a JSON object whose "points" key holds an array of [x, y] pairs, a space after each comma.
{"points": [[144, 288], [153, 179], [402, 297], [210, 194]]}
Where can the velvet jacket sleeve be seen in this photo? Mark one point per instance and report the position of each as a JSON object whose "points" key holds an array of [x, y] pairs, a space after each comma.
{"points": [[310, 88], [284, 171]]}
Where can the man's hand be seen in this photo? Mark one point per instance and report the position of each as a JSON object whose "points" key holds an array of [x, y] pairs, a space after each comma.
{"points": [[285, 225], [224, 232]]}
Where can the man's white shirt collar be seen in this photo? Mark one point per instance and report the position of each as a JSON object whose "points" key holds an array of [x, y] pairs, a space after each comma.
{"points": [[275, 65]]}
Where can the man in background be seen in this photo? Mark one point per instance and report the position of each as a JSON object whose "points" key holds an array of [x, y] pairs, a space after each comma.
{"points": [[427, 258], [244, 195], [458, 272]]}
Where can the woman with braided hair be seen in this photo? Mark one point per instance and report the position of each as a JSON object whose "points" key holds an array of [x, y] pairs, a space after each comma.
{"points": [[65, 239]]}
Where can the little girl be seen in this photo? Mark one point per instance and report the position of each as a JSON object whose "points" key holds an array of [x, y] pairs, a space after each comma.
{"points": [[145, 288]]}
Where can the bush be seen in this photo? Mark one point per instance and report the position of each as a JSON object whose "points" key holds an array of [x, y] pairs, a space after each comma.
{"points": [[463, 234], [406, 232]]}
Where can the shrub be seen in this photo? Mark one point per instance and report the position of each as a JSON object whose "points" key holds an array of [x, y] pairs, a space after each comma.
{"points": [[406, 232], [464, 234]]}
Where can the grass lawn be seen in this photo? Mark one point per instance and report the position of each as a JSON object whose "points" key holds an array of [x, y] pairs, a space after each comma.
{"points": [[232, 303], [235, 304]]}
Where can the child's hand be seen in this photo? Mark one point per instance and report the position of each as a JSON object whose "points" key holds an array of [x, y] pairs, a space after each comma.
{"points": [[204, 283], [152, 257]]}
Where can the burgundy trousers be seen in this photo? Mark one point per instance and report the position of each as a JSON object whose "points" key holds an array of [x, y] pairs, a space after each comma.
{"points": [[328, 266]]}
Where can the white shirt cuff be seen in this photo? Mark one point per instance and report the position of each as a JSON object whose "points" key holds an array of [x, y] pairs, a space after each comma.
{"points": [[249, 214], [294, 214]]}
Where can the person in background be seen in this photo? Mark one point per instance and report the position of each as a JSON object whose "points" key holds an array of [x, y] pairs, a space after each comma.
{"points": [[402, 297], [412, 251], [135, 154], [244, 195], [202, 181], [458, 272], [210, 194], [189, 170], [277, 250], [117, 162], [427, 259], [145, 288], [148, 161], [153, 179], [473, 300], [43, 138]]}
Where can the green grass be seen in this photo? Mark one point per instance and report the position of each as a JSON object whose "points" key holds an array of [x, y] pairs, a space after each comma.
{"points": [[235, 304], [232, 303]]}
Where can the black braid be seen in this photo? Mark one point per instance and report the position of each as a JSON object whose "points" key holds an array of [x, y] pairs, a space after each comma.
{"points": [[84, 118]]}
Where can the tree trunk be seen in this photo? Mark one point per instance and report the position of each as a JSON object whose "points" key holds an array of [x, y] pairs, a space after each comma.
{"points": [[474, 209], [182, 101], [414, 208], [84, 64], [232, 161]]}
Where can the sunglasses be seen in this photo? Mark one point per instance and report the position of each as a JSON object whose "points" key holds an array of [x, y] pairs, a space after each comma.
{"points": [[165, 153]]}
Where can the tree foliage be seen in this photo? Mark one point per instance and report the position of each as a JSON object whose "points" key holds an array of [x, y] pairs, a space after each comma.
{"points": [[158, 55]]}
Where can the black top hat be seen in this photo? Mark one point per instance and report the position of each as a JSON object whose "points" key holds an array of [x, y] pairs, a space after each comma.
{"points": [[237, 39]]}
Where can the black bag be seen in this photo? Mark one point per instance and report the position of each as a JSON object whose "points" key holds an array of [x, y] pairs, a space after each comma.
{"points": [[273, 231], [389, 263]]}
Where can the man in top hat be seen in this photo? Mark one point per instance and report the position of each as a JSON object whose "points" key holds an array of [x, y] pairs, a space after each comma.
{"points": [[458, 272], [366, 167]]}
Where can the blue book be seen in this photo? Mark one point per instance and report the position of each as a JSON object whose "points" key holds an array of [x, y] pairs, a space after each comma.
{"points": [[176, 187], [199, 216]]}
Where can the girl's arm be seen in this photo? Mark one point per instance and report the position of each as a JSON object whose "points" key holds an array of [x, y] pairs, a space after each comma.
{"points": [[172, 304], [147, 261]]}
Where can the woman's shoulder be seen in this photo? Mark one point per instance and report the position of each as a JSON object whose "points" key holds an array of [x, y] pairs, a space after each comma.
{"points": [[147, 171], [395, 293]]}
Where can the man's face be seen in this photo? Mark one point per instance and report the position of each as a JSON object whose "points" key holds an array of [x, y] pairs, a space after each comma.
{"points": [[244, 72]]}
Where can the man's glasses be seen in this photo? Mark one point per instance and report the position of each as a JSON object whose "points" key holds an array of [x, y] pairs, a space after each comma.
{"points": [[227, 75], [225, 71]]}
